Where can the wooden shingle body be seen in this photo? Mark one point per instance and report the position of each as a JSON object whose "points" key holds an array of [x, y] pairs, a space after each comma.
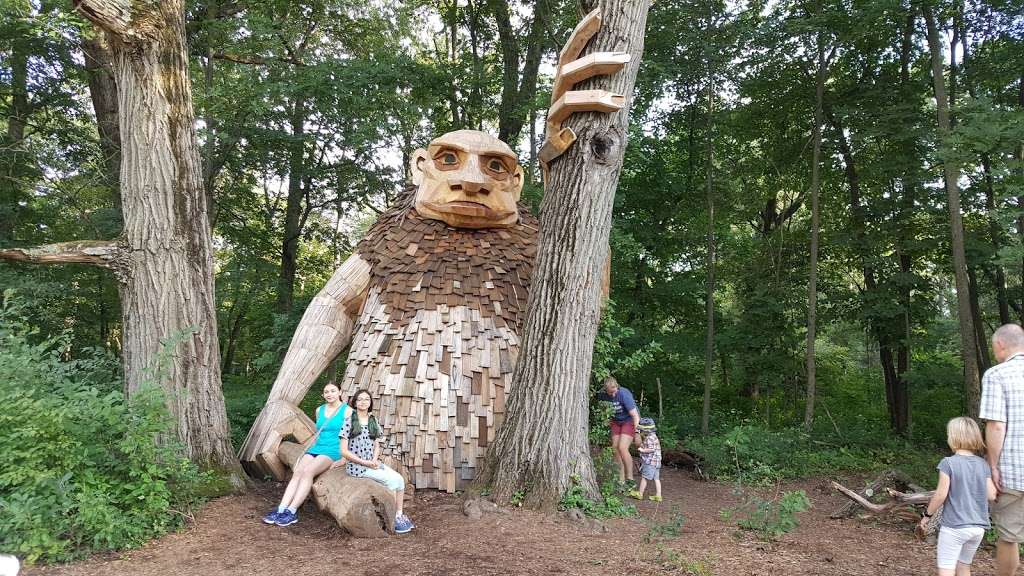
{"points": [[438, 337]]}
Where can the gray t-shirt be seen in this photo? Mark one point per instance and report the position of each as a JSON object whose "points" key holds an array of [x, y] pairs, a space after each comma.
{"points": [[967, 503]]}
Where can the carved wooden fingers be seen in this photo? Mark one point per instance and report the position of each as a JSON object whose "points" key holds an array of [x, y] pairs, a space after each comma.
{"points": [[573, 69]]}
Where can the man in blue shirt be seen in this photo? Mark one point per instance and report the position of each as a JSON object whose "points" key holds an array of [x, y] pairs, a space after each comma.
{"points": [[625, 418]]}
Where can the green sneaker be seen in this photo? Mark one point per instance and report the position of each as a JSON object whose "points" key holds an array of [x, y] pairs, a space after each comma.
{"points": [[655, 498], [636, 494]]}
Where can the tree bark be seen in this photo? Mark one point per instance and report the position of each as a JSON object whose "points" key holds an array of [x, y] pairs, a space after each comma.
{"points": [[103, 92], [167, 291], [1020, 197], [812, 282], [293, 209], [542, 448], [980, 339], [709, 302], [996, 236], [518, 90], [951, 172], [12, 143]]}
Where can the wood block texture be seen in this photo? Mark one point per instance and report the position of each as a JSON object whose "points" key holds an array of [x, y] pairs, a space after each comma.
{"points": [[438, 337]]}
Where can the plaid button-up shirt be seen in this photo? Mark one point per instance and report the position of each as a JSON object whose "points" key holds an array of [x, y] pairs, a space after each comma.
{"points": [[651, 442], [1002, 400]]}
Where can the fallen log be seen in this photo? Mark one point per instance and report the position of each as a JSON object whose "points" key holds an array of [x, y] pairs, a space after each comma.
{"points": [[683, 458], [360, 506]]}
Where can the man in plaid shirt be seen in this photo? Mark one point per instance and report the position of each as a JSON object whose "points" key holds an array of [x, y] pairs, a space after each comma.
{"points": [[1002, 406]]}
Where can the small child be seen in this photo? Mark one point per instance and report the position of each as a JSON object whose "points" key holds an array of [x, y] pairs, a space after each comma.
{"points": [[965, 487], [650, 460]]}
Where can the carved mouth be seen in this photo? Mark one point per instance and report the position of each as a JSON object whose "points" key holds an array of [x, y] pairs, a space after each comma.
{"points": [[467, 208]]}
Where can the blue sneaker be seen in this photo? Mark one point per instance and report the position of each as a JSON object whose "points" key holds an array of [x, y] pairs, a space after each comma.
{"points": [[271, 517], [287, 518], [403, 524]]}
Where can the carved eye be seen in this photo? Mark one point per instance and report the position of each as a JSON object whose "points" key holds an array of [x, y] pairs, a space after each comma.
{"points": [[495, 165], [446, 160]]}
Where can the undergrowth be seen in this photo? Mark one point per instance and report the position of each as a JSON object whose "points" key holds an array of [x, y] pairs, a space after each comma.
{"points": [[80, 466], [610, 502]]}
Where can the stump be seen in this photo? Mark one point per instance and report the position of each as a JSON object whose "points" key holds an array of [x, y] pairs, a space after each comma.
{"points": [[360, 506]]}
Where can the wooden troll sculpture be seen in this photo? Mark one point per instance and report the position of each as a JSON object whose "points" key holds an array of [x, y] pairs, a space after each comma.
{"points": [[431, 304]]}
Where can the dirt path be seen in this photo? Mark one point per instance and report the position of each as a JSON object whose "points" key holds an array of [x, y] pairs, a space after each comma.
{"points": [[228, 539]]}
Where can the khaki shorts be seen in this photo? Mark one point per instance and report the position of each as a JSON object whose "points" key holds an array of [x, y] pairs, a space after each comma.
{"points": [[1008, 515]]}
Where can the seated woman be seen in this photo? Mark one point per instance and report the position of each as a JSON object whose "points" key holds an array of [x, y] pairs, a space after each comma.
{"points": [[325, 453], [360, 448]]}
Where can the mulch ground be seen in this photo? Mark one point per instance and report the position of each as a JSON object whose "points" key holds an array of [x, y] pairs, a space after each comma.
{"points": [[228, 538]]}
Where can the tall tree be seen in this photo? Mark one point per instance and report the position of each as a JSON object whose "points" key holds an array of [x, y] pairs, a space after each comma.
{"points": [[812, 281], [542, 448], [951, 173], [709, 302], [518, 89], [12, 142], [164, 258], [99, 67]]}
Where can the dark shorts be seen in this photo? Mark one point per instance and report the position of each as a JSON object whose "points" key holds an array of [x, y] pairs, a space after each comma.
{"points": [[623, 428]]}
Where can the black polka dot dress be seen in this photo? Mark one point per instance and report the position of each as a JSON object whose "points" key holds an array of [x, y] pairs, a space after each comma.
{"points": [[361, 446]]}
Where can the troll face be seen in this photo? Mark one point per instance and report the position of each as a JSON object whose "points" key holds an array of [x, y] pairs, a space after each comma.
{"points": [[467, 179]]}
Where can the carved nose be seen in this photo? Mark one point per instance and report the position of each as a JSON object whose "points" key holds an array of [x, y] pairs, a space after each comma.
{"points": [[470, 186]]}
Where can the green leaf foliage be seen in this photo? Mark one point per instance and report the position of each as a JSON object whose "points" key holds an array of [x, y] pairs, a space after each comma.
{"points": [[81, 467]]}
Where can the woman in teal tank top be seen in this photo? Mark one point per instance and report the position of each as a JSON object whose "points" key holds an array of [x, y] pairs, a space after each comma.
{"points": [[325, 453]]}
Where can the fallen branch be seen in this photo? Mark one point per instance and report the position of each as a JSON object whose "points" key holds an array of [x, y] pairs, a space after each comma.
{"points": [[864, 502], [886, 479], [898, 503], [911, 498], [104, 253]]}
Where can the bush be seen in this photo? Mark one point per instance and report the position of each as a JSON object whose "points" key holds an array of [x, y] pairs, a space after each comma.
{"points": [[80, 469], [752, 454], [770, 518]]}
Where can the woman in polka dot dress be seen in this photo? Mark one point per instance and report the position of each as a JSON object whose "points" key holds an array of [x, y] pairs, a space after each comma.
{"points": [[360, 448]]}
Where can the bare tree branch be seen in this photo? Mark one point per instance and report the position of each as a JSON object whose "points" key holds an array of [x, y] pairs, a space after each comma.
{"points": [[255, 60], [103, 253]]}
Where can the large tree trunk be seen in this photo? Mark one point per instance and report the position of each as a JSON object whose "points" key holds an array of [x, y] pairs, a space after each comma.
{"points": [[165, 260], [951, 172], [812, 281], [542, 448]]}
